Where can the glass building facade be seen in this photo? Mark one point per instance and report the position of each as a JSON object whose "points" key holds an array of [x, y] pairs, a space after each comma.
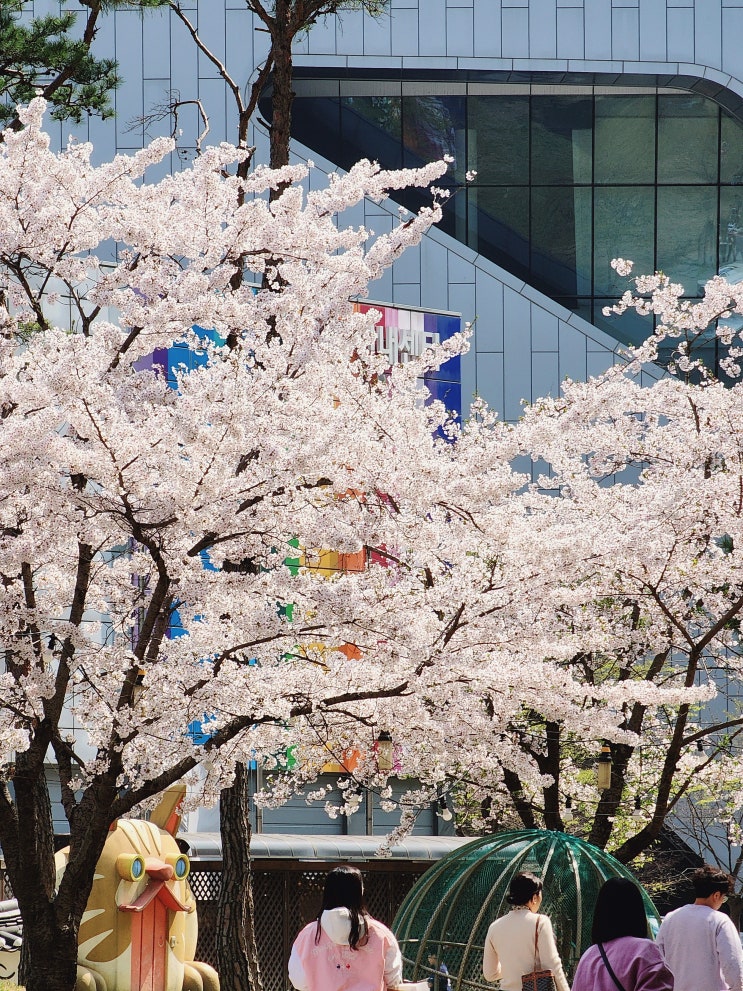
{"points": [[568, 176]]}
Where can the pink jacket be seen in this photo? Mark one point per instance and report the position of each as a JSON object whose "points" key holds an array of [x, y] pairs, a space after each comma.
{"points": [[331, 964]]}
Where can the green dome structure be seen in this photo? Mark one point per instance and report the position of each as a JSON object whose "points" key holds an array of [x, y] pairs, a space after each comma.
{"points": [[448, 911]]}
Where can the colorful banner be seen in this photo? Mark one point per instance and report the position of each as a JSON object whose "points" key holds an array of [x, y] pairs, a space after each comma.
{"points": [[404, 332]]}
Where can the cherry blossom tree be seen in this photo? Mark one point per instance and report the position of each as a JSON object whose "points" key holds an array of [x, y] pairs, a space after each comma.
{"points": [[644, 484], [130, 510], [283, 21]]}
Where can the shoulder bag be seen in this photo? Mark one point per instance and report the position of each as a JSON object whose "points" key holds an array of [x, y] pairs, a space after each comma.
{"points": [[537, 980], [612, 975]]}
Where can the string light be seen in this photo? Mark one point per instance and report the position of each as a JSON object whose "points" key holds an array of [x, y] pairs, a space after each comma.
{"points": [[385, 751], [603, 768]]}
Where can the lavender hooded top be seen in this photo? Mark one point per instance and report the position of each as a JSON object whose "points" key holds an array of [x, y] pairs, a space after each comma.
{"points": [[638, 964]]}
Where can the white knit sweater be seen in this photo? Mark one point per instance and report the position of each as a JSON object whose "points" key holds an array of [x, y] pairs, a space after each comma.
{"points": [[509, 950], [702, 949]]}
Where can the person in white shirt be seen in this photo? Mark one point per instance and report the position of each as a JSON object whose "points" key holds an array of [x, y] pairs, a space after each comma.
{"points": [[700, 944], [509, 944]]}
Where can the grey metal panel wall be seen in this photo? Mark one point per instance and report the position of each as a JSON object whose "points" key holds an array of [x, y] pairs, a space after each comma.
{"points": [[691, 37], [670, 36]]}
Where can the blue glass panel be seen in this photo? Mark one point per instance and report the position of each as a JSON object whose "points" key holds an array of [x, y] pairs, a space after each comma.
{"points": [[498, 147], [316, 123], [432, 127], [730, 239], [687, 226], [498, 224], [561, 230], [561, 131], [446, 326], [687, 139], [449, 393], [368, 127], [624, 139], [624, 227], [731, 150], [383, 113]]}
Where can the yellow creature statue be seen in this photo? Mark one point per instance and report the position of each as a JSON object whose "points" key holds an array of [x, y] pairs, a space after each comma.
{"points": [[139, 928]]}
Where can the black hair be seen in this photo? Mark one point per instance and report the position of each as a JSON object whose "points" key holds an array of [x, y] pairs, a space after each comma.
{"points": [[523, 887], [620, 911], [707, 880], [344, 888]]}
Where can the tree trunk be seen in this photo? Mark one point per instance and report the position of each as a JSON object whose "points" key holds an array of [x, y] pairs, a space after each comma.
{"points": [[237, 952], [735, 907], [549, 764], [52, 952], [51, 917], [49, 958], [37, 808], [522, 806], [283, 92], [49, 950]]}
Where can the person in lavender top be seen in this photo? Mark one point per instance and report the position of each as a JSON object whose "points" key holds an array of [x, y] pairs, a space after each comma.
{"points": [[622, 957]]}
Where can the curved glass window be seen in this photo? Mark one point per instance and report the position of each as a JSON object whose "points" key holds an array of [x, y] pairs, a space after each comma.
{"points": [[568, 177]]}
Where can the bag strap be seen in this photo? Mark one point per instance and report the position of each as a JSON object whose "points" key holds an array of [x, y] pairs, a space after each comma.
{"points": [[536, 944], [612, 975]]}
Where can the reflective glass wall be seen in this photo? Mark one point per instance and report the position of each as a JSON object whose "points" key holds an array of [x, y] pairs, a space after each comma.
{"points": [[568, 177]]}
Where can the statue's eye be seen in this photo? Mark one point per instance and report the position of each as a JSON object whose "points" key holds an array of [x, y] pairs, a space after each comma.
{"points": [[180, 864], [130, 866]]}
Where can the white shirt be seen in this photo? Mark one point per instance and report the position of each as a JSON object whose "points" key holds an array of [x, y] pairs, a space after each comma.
{"points": [[702, 949]]}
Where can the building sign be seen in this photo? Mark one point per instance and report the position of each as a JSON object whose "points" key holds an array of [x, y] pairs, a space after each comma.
{"points": [[404, 332]]}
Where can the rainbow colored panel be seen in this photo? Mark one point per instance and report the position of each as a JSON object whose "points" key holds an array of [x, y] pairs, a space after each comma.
{"points": [[403, 332]]}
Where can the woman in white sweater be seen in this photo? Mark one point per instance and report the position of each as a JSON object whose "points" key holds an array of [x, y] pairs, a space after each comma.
{"points": [[509, 944]]}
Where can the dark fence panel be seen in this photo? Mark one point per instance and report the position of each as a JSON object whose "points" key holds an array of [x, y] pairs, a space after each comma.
{"points": [[287, 896]]}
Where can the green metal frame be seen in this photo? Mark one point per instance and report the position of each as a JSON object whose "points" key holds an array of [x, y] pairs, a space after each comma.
{"points": [[448, 911]]}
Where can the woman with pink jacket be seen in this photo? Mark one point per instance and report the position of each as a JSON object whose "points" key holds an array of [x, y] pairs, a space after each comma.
{"points": [[344, 949]]}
